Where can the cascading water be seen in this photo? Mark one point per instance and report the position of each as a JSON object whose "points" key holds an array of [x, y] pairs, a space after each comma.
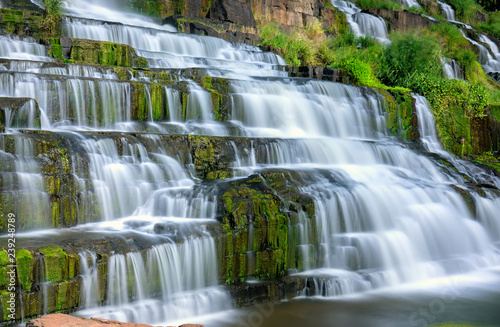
{"points": [[427, 127], [410, 3], [362, 24], [381, 208], [451, 68], [13, 47], [490, 64], [447, 10], [491, 44]]}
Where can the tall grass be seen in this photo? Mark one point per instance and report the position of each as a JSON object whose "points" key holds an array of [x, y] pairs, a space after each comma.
{"points": [[408, 56], [381, 4]]}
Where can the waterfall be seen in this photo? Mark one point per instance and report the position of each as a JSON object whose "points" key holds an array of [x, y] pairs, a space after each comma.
{"points": [[451, 68], [447, 10], [168, 283], [410, 3], [491, 44], [382, 212], [14, 47], [490, 64], [89, 295], [362, 24], [427, 126], [168, 49]]}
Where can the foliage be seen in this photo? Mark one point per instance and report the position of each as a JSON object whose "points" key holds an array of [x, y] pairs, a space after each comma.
{"points": [[490, 5], [380, 4], [417, 10], [410, 55], [492, 26], [445, 93], [465, 10], [296, 48], [449, 36], [54, 10]]}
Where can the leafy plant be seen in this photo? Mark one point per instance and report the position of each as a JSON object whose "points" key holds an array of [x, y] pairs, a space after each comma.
{"points": [[410, 55], [53, 14]]}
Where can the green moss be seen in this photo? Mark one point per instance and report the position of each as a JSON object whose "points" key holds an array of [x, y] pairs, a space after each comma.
{"points": [[4, 258], [105, 53], [55, 263], [6, 296], [495, 111], [25, 262], [490, 160]]}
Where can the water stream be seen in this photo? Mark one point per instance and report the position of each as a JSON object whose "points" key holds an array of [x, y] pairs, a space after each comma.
{"points": [[362, 24]]}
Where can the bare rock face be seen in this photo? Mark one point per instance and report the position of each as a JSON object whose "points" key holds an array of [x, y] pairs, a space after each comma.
{"points": [[232, 11], [402, 21], [289, 12]]}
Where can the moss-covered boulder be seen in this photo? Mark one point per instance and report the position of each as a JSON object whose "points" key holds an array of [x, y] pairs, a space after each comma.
{"points": [[99, 53]]}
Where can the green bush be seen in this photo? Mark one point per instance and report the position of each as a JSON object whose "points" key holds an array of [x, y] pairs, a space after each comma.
{"points": [[295, 47], [53, 8], [410, 55]]}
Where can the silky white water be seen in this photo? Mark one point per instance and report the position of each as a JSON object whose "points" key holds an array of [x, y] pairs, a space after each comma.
{"points": [[451, 68], [447, 10], [362, 24]]}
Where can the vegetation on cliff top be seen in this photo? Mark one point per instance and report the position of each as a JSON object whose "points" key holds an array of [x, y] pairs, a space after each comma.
{"points": [[412, 61]]}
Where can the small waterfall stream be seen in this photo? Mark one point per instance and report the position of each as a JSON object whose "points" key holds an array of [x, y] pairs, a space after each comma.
{"points": [[451, 68], [362, 24], [447, 10]]}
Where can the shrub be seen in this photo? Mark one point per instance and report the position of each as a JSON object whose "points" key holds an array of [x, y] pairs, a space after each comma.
{"points": [[53, 14], [297, 48], [410, 55], [53, 8]]}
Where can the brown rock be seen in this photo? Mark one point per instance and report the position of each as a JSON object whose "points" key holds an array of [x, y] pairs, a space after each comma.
{"points": [[232, 11], [402, 21], [58, 319]]}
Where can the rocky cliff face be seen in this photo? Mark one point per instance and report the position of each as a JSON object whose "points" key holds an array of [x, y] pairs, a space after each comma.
{"points": [[402, 21], [235, 20]]}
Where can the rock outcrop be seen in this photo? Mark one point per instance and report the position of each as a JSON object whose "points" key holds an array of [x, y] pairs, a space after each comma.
{"points": [[402, 21], [232, 11]]}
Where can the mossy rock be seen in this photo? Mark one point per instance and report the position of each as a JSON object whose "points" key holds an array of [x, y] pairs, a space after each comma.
{"points": [[399, 116], [25, 263], [105, 53], [56, 261], [255, 222]]}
